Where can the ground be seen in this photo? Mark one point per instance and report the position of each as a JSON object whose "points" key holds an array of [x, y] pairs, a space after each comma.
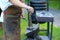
{"points": [[56, 14]]}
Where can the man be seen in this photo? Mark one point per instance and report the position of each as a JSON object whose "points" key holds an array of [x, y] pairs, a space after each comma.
{"points": [[12, 12]]}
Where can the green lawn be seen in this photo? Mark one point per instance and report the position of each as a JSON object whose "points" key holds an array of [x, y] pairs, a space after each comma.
{"points": [[56, 32], [54, 4], [24, 25]]}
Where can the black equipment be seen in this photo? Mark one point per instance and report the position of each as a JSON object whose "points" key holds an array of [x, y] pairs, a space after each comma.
{"points": [[32, 30], [40, 16]]}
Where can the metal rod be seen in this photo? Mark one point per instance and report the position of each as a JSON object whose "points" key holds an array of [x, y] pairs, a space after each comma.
{"points": [[51, 30], [47, 5], [48, 28], [29, 20], [29, 17]]}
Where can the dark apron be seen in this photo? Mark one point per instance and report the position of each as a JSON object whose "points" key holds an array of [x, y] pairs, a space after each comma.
{"points": [[11, 24]]}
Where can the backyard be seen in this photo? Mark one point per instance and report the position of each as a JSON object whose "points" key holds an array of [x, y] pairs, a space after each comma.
{"points": [[24, 24]]}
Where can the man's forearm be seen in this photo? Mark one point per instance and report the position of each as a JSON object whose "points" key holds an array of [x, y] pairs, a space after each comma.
{"points": [[19, 3]]}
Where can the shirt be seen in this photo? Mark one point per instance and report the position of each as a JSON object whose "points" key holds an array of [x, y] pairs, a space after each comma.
{"points": [[4, 4]]}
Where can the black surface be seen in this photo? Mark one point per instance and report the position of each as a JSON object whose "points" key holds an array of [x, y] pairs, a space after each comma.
{"points": [[32, 31], [36, 38], [42, 16]]}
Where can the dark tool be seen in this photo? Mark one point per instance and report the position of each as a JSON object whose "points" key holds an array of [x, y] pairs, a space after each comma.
{"points": [[32, 31], [42, 15]]}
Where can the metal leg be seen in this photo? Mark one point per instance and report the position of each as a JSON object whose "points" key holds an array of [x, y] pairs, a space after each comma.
{"points": [[51, 30], [48, 29]]}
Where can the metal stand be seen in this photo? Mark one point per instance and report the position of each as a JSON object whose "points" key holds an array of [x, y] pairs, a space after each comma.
{"points": [[32, 30], [40, 17], [48, 32], [49, 18]]}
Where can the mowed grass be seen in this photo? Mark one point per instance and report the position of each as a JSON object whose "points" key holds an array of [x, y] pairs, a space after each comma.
{"points": [[24, 25], [54, 4]]}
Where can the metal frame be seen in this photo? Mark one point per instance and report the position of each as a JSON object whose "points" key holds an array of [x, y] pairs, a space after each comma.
{"points": [[49, 24]]}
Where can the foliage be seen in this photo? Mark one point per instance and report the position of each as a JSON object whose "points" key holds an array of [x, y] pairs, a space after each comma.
{"points": [[54, 0], [54, 4]]}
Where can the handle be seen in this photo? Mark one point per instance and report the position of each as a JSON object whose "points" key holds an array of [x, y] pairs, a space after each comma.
{"points": [[29, 20]]}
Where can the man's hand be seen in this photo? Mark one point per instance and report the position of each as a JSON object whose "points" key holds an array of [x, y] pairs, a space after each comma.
{"points": [[30, 10], [23, 5]]}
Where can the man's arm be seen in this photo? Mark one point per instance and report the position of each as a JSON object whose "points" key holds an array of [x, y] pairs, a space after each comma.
{"points": [[20, 4]]}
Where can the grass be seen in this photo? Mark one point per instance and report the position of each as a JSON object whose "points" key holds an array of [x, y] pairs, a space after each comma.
{"points": [[24, 25], [56, 32], [54, 4]]}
